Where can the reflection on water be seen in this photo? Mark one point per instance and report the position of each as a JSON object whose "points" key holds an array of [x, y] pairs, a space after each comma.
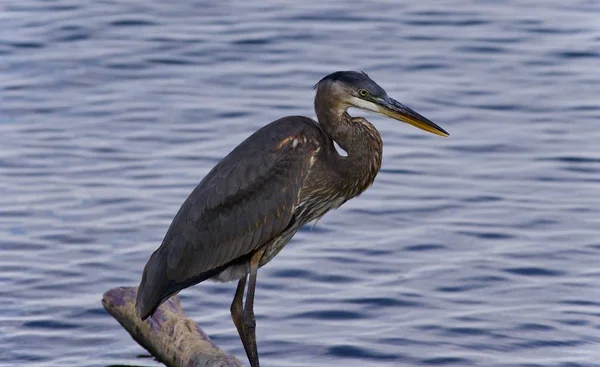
{"points": [[476, 250]]}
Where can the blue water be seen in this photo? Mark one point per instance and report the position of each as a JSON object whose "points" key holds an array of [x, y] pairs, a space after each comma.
{"points": [[482, 249]]}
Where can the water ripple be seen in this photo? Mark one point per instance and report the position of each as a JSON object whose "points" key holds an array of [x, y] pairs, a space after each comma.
{"points": [[477, 250]]}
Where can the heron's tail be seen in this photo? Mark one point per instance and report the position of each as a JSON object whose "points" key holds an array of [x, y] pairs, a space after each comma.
{"points": [[153, 289]]}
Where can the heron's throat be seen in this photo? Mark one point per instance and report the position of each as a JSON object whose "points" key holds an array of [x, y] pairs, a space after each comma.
{"points": [[356, 136], [348, 132]]}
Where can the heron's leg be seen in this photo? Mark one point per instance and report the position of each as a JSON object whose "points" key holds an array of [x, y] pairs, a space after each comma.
{"points": [[237, 309], [248, 313]]}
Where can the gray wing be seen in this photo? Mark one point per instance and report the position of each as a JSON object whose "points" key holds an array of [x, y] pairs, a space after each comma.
{"points": [[246, 200]]}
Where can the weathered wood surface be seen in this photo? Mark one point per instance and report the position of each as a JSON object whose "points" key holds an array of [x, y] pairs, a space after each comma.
{"points": [[169, 335]]}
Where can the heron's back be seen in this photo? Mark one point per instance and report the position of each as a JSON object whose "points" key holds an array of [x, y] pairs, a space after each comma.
{"points": [[243, 203]]}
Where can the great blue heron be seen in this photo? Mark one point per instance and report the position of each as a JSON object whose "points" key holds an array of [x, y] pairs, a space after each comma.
{"points": [[252, 202]]}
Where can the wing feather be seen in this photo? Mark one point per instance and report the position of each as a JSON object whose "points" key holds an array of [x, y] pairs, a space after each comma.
{"points": [[245, 201]]}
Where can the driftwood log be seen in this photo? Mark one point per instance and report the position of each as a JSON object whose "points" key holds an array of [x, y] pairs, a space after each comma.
{"points": [[169, 335]]}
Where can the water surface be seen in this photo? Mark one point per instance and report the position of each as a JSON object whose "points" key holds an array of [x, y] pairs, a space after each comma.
{"points": [[477, 250]]}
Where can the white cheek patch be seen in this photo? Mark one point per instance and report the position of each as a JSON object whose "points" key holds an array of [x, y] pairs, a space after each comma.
{"points": [[365, 105]]}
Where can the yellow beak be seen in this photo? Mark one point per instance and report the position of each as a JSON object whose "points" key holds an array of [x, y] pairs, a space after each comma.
{"points": [[396, 110]]}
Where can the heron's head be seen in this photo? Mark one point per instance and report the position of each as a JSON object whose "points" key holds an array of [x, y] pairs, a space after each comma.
{"points": [[355, 89]]}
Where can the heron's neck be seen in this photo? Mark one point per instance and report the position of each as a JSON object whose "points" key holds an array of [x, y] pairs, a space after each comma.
{"points": [[357, 137]]}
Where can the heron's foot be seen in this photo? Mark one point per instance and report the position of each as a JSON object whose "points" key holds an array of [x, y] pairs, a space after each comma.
{"points": [[250, 329]]}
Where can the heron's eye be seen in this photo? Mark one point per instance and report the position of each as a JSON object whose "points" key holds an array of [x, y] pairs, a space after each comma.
{"points": [[363, 92]]}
